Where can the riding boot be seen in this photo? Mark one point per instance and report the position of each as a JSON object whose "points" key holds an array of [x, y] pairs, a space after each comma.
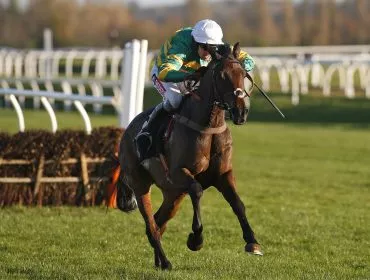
{"points": [[144, 138]]}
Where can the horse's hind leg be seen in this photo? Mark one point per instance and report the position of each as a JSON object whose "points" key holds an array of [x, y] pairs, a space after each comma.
{"points": [[152, 230], [126, 200], [183, 177], [195, 239], [226, 185], [167, 211]]}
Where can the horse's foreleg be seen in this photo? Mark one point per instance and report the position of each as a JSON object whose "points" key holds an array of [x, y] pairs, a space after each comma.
{"points": [[226, 185], [152, 231], [195, 239], [183, 177]]}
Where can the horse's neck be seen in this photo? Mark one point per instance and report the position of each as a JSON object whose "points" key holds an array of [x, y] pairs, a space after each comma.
{"points": [[206, 115], [217, 117], [203, 111]]}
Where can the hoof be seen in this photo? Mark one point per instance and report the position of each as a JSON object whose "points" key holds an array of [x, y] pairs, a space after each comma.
{"points": [[166, 265], [195, 243], [253, 249]]}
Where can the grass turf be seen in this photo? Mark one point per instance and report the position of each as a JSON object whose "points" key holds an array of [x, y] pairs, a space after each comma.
{"points": [[305, 183]]}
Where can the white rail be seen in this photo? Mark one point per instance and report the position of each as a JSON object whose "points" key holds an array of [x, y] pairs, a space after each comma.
{"points": [[308, 50], [127, 96], [115, 70], [44, 95]]}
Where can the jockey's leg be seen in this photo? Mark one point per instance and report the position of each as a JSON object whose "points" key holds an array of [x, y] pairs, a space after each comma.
{"points": [[172, 100], [144, 137]]}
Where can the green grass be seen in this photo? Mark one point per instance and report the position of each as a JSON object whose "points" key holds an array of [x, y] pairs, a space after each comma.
{"points": [[306, 189], [305, 182], [39, 119]]}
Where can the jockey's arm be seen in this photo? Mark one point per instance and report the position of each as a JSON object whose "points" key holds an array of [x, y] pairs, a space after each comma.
{"points": [[170, 69], [170, 66]]}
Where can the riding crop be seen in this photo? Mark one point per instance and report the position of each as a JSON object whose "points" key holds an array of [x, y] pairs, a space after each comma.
{"points": [[269, 100]]}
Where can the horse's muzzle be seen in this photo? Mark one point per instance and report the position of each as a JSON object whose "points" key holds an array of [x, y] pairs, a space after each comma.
{"points": [[239, 113], [239, 116]]}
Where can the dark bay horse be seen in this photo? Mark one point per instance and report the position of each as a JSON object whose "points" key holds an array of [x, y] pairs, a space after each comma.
{"points": [[197, 155]]}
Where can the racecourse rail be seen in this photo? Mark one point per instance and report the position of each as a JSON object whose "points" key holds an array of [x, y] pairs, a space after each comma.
{"points": [[124, 73], [127, 97]]}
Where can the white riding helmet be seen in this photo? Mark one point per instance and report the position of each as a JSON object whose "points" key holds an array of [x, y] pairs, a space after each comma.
{"points": [[207, 32]]}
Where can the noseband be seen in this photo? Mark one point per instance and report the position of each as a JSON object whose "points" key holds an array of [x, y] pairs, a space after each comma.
{"points": [[219, 101]]}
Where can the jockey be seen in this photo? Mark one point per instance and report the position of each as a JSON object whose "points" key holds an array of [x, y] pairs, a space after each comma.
{"points": [[184, 53]]}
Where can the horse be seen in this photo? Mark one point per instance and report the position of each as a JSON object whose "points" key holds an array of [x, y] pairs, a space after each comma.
{"points": [[196, 156]]}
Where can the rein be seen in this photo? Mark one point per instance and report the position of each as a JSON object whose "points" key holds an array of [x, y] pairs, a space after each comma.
{"points": [[218, 101], [240, 93]]}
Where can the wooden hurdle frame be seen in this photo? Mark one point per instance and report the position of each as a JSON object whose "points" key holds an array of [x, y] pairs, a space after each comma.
{"points": [[38, 180]]}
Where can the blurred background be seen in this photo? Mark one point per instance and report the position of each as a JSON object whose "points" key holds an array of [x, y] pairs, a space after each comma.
{"points": [[304, 49], [107, 23]]}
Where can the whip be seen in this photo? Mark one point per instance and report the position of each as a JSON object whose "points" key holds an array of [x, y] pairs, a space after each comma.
{"points": [[269, 100]]}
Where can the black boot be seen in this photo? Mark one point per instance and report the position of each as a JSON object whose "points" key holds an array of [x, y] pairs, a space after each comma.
{"points": [[144, 139]]}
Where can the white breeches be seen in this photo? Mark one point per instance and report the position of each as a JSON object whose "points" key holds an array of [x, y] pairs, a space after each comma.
{"points": [[172, 95]]}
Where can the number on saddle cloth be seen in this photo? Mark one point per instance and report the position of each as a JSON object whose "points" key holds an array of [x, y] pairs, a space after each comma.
{"points": [[158, 85]]}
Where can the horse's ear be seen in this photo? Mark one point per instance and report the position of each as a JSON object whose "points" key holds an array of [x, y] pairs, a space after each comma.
{"points": [[236, 50]]}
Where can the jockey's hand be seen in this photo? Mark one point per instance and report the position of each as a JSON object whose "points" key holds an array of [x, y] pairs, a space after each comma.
{"points": [[197, 75], [248, 64], [192, 79], [184, 88]]}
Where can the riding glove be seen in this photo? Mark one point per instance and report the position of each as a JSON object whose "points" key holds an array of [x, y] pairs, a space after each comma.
{"points": [[248, 64]]}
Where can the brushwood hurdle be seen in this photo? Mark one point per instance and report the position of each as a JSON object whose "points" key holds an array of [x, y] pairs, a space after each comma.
{"points": [[69, 167], [63, 167]]}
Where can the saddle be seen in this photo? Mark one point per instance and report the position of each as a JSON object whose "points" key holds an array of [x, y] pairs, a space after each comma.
{"points": [[161, 136], [165, 127]]}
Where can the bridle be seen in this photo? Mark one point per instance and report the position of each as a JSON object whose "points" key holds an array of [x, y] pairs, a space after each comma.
{"points": [[218, 98], [215, 100]]}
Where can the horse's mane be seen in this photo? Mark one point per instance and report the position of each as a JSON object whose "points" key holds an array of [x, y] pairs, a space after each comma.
{"points": [[218, 54], [223, 51]]}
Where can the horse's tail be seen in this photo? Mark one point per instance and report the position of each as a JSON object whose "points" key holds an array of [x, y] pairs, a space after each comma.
{"points": [[112, 167], [119, 194]]}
